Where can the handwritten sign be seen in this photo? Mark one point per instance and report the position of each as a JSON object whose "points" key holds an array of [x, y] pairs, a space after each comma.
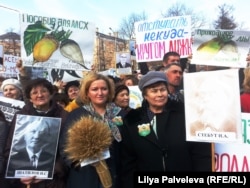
{"points": [[156, 37], [9, 69]]}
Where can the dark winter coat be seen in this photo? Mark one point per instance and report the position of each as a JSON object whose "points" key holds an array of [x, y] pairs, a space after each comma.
{"points": [[60, 171], [86, 176], [119, 65], [168, 151], [4, 129]]}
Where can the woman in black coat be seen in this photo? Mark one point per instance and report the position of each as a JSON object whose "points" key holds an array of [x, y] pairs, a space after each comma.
{"points": [[40, 92], [4, 129], [96, 95], [154, 138]]}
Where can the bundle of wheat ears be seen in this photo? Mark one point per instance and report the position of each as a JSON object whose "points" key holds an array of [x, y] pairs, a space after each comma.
{"points": [[88, 139]]}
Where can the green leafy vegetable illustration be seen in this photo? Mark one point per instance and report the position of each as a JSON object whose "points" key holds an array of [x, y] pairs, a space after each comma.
{"points": [[33, 34]]}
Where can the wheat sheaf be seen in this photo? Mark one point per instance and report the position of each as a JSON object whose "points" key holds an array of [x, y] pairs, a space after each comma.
{"points": [[88, 138]]}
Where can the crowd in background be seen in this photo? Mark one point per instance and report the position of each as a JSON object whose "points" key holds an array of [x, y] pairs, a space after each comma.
{"points": [[152, 137]]}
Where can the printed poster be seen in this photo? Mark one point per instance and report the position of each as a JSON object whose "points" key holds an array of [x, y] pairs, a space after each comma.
{"points": [[10, 106], [10, 42], [212, 106], [132, 47], [34, 147], [57, 43], [226, 48], [235, 157], [154, 38], [123, 63]]}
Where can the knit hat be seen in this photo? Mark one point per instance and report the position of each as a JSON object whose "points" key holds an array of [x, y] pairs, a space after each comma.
{"points": [[11, 81], [152, 77], [71, 83], [119, 88]]}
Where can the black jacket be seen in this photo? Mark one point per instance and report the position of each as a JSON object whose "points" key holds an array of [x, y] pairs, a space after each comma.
{"points": [[4, 129], [87, 176], [60, 171], [21, 161], [166, 151], [119, 65]]}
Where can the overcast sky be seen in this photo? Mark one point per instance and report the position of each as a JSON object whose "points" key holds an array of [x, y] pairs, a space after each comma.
{"points": [[109, 13]]}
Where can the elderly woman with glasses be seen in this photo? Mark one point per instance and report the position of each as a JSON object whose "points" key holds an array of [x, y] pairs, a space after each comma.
{"points": [[40, 92]]}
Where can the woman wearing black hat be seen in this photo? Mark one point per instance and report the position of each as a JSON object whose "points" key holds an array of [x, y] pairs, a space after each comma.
{"points": [[72, 90], [154, 137]]}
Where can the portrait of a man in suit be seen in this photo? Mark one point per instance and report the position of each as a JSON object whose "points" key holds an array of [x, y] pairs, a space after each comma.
{"points": [[132, 47], [123, 61], [34, 152]]}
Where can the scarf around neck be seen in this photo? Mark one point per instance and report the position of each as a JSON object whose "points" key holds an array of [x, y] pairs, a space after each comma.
{"points": [[111, 111]]}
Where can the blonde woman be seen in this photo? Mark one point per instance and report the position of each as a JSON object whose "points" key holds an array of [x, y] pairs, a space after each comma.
{"points": [[96, 94]]}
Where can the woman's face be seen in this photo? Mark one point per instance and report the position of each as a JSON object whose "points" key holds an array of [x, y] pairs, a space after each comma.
{"points": [[98, 92], [12, 92], [122, 99], [40, 97], [129, 82], [157, 96], [73, 92]]}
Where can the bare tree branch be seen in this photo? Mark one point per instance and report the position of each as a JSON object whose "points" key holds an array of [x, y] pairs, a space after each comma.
{"points": [[179, 9], [127, 30]]}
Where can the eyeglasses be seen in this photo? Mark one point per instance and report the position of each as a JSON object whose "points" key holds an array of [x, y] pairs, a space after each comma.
{"points": [[37, 92]]}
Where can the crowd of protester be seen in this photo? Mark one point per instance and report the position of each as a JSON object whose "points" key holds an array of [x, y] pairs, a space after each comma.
{"points": [[149, 138]]}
